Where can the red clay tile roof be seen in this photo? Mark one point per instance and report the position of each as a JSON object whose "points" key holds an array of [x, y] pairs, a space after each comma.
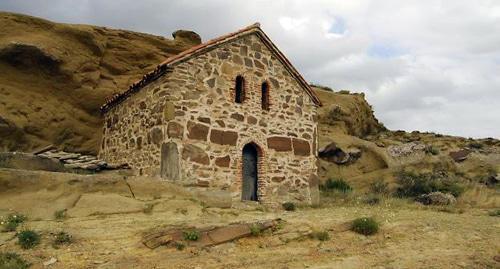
{"points": [[166, 66]]}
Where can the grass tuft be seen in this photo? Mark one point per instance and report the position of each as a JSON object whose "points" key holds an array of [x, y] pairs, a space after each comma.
{"points": [[289, 206], [60, 214], [255, 230], [365, 226], [336, 185], [62, 238], [12, 221], [494, 213], [320, 235], [179, 245], [11, 260], [191, 235], [28, 239]]}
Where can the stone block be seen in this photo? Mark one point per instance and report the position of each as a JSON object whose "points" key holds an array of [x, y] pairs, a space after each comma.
{"points": [[252, 120], [223, 161], [237, 117], [223, 137], [279, 143], [169, 111], [195, 154], [156, 135], [175, 130], [301, 147], [197, 131]]}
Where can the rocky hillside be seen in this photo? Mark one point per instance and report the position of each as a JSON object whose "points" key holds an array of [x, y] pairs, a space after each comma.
{"points": [[54, 77]]}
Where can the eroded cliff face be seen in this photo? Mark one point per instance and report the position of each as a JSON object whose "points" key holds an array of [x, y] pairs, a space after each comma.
{"points": [[54, 77]]}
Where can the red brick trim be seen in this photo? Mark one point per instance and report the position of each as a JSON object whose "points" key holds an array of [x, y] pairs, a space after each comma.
{"points": [[261, 170], [267, 106]]}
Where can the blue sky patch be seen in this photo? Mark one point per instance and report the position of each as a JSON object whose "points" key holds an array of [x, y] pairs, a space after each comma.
{"points": [[338, 27], [384, 50]]}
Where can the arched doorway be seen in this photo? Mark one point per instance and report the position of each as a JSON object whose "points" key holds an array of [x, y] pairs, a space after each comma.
{"points": [[249, 172]]}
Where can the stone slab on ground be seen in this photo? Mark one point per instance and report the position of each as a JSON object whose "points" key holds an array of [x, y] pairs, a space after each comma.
{"points": [[101, 204], [208, 236]]}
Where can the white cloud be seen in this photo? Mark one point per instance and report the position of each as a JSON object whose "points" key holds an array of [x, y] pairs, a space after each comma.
{"points": [[427, 65]]}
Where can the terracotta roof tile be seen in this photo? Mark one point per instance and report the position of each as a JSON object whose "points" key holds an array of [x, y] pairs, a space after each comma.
{"points": [[166, 65]]}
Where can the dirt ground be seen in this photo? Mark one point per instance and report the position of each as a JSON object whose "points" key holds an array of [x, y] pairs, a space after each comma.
{"points": [[107, 227]]}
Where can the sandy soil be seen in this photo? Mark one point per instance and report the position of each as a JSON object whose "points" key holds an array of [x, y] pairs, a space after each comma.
{"points": [[108, 227]]}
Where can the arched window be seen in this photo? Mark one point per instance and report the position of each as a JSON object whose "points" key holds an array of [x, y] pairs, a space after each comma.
{"points": [[239, 94], [265, 96]]}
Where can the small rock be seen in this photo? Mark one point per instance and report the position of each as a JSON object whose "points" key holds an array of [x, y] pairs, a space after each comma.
{"points": [[354, 154], [460, 156], [334, 154], [436, 198], [50, 262]]}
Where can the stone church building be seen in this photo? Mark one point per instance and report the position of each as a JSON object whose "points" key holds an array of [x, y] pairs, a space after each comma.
{"points": [[231, 114]]}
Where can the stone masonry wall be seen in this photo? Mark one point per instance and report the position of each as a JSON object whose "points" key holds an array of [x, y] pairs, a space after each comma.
{"points": [[193, 106]]}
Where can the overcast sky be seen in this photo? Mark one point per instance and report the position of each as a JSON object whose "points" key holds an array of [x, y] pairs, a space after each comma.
{"points": [[424, 65]]}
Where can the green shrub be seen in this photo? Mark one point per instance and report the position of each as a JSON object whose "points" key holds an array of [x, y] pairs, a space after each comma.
{"points": [[11, 260], [365, 226], [28, 239], [62, 238], [494, 213], [255, 230], [431, 150], [179, 245], [192, 235], [335, 114], [320, 235], [60, 214], [475, 145], [344, 92], [414, 185], [289, 206], [336, 185], [379, 187], [12, 221]]}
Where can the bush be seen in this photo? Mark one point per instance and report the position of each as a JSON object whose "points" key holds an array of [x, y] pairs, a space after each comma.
{"points": [[255, 230], [344, 92], [60, 214], [475, 145], [11, 260], [320, 235], [494, 213], [62, 238], [414, 185], [336, 185], [28, 239], [179, 245], [192, 235], [379, 187], [335, 114], [12, 221], [365, 226], [431, 150], [289, 206]]}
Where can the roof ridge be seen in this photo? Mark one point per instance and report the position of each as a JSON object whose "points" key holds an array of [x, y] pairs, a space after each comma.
{"points": [[164, 66]]}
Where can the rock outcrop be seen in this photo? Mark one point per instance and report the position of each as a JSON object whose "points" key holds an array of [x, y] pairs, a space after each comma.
{"points": [[54, 77], [436, 198]]}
